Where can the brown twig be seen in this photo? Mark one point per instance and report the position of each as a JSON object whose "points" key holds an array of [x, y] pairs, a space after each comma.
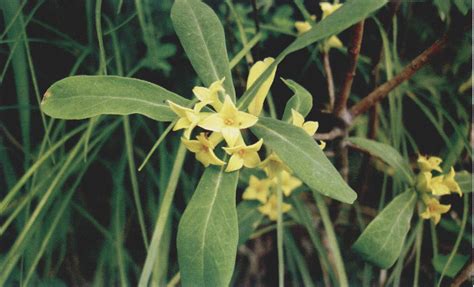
{"points": [[382, 91], [329, 79], [354, 50], [464, 275], [333, 134]]}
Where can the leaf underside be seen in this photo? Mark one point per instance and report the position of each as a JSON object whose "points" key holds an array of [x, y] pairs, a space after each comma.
{"points": [[304, 157], [382, 241], [82, 97], [208, 231]]}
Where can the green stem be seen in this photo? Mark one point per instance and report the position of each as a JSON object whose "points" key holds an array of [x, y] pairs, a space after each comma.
{"points": [[458, 239], [163, 216], [281, 258], [418, 241], [133, 178], [332, 239]]}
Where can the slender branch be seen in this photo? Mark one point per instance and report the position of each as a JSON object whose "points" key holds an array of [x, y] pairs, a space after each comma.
{"points": [[329, 78], [382, 91], [354, 49], [464, 275], [334, 133]]}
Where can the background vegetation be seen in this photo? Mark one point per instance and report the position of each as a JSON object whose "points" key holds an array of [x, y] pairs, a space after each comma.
{"points": [[74, 209]]}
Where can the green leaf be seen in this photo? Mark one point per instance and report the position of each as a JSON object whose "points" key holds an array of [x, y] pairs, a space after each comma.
{"points": [[208, 231], [350, 13], [453, 269], [387, 154], [202, 36], [301, 101], [464, 179], [304, 157], [249, 219], [443, 7], [81, 97], [382, 241], [463, 5]]}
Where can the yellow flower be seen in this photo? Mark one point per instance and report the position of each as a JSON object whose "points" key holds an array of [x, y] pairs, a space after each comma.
{"points": [[434, 209], [228, 121], [243, 155], [188, 118], [273, 165], [270, 208], [429, 164], [203, 147], [427, 183], [451, 183], [288, 183], [333, 41], [210, 95], [328, 8], [258, 189], [423, 181], [304, 26], [256, 105], [310, 127]]}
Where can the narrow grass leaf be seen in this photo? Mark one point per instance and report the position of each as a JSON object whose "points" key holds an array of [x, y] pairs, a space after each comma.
{"points": [[208, 231], [81, 97], [301, 153], [382, 241], [202, 36]]}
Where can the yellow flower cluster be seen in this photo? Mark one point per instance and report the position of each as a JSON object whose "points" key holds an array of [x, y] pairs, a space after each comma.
{"points": [[327, 9], [431, 188], [278, 175], [223, 121]]}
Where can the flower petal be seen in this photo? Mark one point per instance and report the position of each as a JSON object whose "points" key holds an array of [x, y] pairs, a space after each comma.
{"points": [[256, 146], [310, 127], [192, 145], [256, 105], [177, 109], [214, 123], [235, 163], [297, 118], [182, 123], [251, 159], [246, 120], [231, 135], [202, 93], [334, 42], [302, 27]]}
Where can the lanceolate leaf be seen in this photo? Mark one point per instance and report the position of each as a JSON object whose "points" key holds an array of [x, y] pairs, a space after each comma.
{"points": [[464, 179], [350, 13], [301, 101], [202, 36], [81, 97], [382, 241], [386, 153], [208, 231], [301, 153]]}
